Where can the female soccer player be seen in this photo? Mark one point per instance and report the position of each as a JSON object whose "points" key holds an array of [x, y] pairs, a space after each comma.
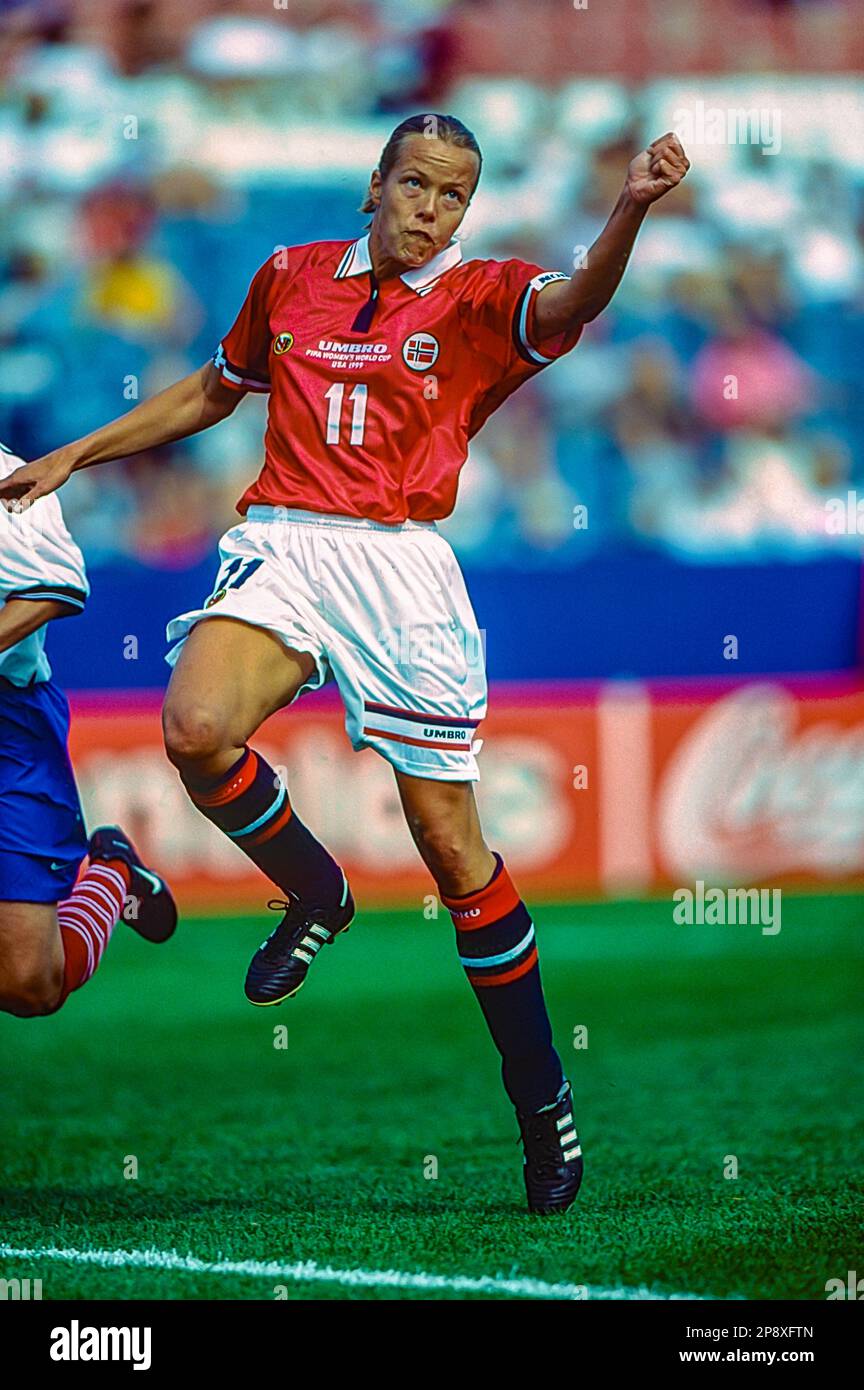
{"points": [[382, 356]]}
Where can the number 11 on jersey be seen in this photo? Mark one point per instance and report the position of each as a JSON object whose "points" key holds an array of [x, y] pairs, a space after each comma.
{"points": [[334, 412]]}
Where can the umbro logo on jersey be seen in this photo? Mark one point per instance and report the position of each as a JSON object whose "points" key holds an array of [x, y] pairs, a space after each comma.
{"points": [[420, 351], [282, 342], [337, 354], [346, 349]]}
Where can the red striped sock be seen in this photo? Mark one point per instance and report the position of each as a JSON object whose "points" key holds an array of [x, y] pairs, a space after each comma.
{"points": [[250, 805], [497, 949], [87, 918]]}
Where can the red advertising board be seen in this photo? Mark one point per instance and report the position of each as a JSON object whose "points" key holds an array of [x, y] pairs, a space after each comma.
{"points": [[586, 790]]}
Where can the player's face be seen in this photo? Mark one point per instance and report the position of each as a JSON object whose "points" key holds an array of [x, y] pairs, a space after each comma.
{"points": [[421, 202]]}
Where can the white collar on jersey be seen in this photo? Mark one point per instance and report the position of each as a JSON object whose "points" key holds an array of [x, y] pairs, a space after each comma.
{"points": [[357, 261]]}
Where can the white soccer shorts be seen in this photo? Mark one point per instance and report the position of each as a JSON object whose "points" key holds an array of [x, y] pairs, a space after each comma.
{"points": [[384, 612]]}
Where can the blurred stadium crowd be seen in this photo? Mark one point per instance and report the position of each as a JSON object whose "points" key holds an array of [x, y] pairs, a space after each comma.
{"points": [[150, 161]]}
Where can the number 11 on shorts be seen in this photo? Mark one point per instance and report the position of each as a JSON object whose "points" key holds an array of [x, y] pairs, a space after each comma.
{"points": [[334, 412]]}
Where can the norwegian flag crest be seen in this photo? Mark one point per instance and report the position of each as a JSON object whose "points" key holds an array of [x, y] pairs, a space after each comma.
{"points": [[420, 351]]}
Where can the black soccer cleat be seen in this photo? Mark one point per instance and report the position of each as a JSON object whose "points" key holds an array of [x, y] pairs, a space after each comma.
{"points": [[155, 915], [280, 965], [552, 1163]]}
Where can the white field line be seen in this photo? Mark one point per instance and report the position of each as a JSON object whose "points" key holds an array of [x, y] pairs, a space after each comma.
{"points": [[307, 1271]]}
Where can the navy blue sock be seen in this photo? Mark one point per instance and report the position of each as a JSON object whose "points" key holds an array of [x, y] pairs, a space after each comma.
{"points": [[250, 805], [495, 939]]}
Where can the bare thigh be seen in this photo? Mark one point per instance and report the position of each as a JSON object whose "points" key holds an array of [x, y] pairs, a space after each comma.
{"points": [[229, 678], [31, 958]]}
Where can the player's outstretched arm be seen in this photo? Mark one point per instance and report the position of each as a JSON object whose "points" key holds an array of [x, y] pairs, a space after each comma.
{"points": [[190, 405], [564, 304]]}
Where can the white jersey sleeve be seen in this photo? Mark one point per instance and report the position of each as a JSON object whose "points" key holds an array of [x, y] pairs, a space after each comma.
{"points": [[38, 560]]}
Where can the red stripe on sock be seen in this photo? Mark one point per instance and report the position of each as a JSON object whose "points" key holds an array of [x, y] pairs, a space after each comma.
{"points": [[508, 975], [486, 906], [119, 868], [77, 958], [269, 831], [237, 783]]}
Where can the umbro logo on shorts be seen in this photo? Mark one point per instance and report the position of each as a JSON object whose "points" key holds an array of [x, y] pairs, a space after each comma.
{"points": [[411, 727]]}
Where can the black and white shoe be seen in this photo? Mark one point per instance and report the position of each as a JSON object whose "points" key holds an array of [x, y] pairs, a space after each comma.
{"points": [[281, 963], [150, 909], [552, 1163]]}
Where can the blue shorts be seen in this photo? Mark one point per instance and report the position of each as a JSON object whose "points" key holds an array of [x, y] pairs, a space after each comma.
{"points": [[42, 836]]}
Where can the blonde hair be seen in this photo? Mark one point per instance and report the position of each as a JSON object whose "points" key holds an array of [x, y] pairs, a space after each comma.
{"points": [[435, 127]]}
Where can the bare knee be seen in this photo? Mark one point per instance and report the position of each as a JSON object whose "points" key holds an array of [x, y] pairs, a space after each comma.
{"points": [[31, 991], [193, 733], [457, 858], [444, 850]]}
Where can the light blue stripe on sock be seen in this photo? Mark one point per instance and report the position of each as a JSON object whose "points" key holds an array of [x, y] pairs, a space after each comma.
{"points": [[262, 820], [480, 962]]}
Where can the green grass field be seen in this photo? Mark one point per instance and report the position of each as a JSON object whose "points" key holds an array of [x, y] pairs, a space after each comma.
{"points": [[703, 1042]]}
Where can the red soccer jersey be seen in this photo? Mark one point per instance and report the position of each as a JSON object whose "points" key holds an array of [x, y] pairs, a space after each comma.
{"points": [[376, 423]]}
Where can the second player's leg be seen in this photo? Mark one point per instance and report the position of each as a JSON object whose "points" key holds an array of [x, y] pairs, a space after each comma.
{"points": [[48, 950], [31, 959]]}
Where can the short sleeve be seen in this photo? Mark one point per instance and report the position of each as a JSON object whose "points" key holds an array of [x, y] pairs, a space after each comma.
{"points": [[242, 356], [38, 557], [498, 314]]}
